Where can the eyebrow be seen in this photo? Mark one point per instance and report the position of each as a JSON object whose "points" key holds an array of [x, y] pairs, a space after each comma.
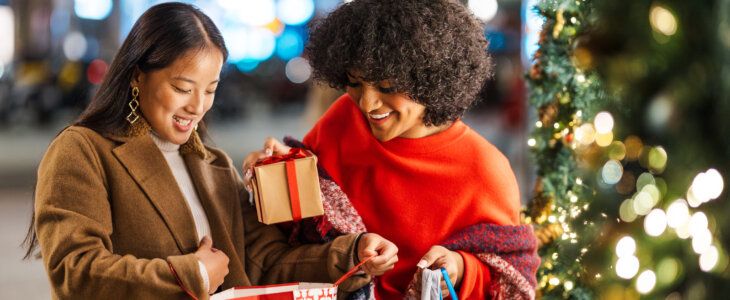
{"points": [[192, 81]]}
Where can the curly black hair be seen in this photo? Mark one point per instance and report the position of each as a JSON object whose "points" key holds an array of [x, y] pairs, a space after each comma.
{"points": [[434, 51]]}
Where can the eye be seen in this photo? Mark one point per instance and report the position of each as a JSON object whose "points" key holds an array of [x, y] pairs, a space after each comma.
{"points": [[210, 92], [353, 84], [179, 90]]}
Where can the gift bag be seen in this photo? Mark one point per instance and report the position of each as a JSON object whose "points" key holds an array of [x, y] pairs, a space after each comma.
{"points": [[288, 291], [286, 187]]}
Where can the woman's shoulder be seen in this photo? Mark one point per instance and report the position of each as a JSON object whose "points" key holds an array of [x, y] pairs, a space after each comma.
{"points": [[76, 137]]}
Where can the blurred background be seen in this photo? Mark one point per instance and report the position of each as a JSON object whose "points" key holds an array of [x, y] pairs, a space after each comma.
{"points": [[54, 54]]}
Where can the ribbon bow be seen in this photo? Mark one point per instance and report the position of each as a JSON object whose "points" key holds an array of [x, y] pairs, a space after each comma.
{"points": [[293, 154]]}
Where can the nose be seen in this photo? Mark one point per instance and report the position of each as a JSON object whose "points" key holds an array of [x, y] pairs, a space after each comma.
{"points": [[370, 99], [197, 104]]}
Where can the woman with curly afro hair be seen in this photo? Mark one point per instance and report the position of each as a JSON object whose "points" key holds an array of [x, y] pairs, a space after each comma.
{"points": [[397, 160]]}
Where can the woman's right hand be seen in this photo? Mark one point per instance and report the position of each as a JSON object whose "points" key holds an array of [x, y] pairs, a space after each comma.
{"points": [[215, 262], [271, 147]]}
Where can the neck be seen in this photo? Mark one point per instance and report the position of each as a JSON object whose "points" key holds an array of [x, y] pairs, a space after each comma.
{"points": [[163, 144]]}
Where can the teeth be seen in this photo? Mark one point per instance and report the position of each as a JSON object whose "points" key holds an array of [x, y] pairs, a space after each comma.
{"points": [[182, 122], [380, 116]]}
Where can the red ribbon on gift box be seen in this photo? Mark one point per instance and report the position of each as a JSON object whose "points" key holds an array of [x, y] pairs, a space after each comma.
{"points": [[291, 177]]}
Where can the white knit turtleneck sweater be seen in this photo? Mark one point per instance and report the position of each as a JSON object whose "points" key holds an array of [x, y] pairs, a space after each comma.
{"points": [[171, 152]]}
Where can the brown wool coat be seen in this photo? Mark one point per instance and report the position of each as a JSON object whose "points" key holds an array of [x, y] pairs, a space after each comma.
{"points": [[111, 219]]}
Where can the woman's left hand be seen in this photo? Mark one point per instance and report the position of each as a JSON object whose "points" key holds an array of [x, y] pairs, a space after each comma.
{"points": [[439, 257]]}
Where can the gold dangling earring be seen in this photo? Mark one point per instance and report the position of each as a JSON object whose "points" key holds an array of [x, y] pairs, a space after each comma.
{"points": [[133, 104]]}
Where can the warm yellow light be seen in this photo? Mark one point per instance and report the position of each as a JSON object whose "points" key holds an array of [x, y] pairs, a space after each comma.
{"points": [[603, 122], [604, 139], [701, 241], [626, 211], [655, 222], [657, 159], [677, 213], [643, 203], [709, 259], [662, 20], [538, 124], [531, 142], [697, 223], [585, 134], [626, 267], [646, 281], [625, 247], [554, 281]]}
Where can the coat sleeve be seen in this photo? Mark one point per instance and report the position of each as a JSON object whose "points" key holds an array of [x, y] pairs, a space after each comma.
{"points": [[477, 281], [74, 224], [271, 260]]}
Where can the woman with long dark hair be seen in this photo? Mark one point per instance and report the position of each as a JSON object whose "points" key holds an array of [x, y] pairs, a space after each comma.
{"points": [[131, 204]]}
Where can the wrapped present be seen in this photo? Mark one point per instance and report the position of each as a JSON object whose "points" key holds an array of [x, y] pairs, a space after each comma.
{"points": [[286, 187], [288, 291]]}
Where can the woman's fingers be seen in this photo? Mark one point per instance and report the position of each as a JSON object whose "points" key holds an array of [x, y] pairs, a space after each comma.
{"points": [[273, 146], [248, 163]]}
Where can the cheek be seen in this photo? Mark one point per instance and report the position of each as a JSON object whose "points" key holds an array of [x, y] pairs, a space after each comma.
{"points": [[353, 92]]}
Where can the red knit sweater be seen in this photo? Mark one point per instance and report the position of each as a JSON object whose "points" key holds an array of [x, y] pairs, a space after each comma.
{"points": [[417, 192]]}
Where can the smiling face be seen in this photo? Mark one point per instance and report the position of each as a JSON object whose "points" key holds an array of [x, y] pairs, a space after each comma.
{"points": [[389, 114], [174, 99]]}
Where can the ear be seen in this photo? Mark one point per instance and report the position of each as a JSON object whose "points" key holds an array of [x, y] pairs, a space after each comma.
{"points": [[136, 77]]}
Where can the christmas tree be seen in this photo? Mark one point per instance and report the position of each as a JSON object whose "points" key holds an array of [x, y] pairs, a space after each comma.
{"points": [[629, 142]]}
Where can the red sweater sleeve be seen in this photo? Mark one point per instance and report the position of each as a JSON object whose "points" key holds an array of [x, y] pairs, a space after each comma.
{"points": [[477, 278]]}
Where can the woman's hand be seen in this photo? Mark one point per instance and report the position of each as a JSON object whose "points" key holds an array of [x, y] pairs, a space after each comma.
{"points": [[271, 147], [439, 257], [386, 254], [215, 262]]}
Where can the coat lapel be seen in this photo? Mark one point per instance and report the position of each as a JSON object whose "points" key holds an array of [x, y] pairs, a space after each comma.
{"points": [[145, 163], [215, 191]]}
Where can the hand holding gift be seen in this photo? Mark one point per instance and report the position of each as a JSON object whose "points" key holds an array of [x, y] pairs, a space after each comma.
{"points": [[285, 186], [271, 147]]}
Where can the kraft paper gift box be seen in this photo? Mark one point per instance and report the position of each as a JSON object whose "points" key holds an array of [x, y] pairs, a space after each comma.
{"points": [[286, 188]]}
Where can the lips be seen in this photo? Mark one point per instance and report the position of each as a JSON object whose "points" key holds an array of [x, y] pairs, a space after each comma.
{"points": [[182, 124], [378, 119]]}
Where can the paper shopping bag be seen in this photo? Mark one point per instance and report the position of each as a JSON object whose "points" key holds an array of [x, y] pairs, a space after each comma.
{"points": [[287, 291]]}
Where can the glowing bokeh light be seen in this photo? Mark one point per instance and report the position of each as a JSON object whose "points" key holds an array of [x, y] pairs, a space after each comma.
{"points": [[657, 159], [74, 46], [625, 247], [604, 139], [603, 122], [7, 36], [484, 9], [289, 44], [93, 9], [295, 12], [298, 70], [97, 70], [708, 259], [531, 142], [646, 282], [701, 241], [655, 222], [585, 134], [697, 223], [627, 267], [644, 179], [677, 213], [612, 172], [626, 211], [643, 203], [251, 12], [662, 20]]}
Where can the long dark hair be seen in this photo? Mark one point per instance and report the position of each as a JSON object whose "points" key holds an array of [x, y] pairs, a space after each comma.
{"points": [[159, 37]]}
